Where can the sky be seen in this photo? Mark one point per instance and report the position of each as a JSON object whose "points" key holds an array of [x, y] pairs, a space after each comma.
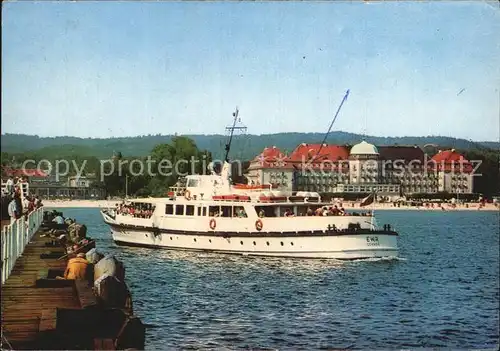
{"points": [[114, 69]]}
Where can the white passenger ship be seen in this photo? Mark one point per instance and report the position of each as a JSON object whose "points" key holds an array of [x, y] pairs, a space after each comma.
{"points": [[210, 214]]}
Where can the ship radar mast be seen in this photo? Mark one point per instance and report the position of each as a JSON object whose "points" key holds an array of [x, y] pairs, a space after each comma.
{"points": [[231, 130], [215, 169]]}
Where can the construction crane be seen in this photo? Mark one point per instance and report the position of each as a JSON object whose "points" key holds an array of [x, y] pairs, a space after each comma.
{"points": [[331, 124]]}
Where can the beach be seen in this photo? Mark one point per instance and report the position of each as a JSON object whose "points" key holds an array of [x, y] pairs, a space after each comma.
{"points": [[346, 205], [80, 203]]}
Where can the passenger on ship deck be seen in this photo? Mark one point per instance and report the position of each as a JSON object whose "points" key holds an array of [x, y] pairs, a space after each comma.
{"points": [[334, 211], [288, 213], [309, 212], [137, 210], [318, 212], [325, 211], [262, 214], [342, 212]]}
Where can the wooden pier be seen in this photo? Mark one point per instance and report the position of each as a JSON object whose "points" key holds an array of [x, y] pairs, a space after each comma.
{"points": [[42, 312]]}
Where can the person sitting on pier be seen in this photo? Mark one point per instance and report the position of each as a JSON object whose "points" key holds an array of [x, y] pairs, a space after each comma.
{"points": [[59, 219], [77, 268]]}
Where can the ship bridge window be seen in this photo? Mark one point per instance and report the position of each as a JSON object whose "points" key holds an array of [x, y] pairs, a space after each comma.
{"points": [[192, 183], [265, 211], [239, 211], [179, 210], [227, 211], [189, 210], [213, 211], [169, 209]]}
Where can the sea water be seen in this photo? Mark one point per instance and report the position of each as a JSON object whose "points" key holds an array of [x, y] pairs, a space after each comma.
{"points": [[441, 291]]}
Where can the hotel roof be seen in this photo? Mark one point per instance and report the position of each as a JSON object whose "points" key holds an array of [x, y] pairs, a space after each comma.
{"points": [[306, 152], [405, 153]]}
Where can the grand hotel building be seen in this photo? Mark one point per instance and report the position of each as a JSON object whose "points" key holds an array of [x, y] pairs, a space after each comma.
{"points": [[363, 168]]}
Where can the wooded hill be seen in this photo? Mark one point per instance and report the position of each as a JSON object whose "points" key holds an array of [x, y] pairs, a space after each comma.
{"points": [[17, 148], [244, 146]]}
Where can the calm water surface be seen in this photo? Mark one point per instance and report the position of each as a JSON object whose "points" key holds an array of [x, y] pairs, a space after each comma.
{"points": [[442, 291]]}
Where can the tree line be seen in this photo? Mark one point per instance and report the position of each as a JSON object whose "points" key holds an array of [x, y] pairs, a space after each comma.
{"points": [[244, 147], [120, 176], [126, 173]]}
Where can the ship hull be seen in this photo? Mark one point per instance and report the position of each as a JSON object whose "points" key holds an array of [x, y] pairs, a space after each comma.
{"points": [[345, 245]]}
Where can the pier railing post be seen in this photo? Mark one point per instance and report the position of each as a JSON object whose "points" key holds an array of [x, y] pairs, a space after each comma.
{"points": [[15, 237], [4, 254], [19, 236]]}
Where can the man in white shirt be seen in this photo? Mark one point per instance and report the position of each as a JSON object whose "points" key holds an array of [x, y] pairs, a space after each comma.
{"points": [[26, 203], [9, 185], [12, 210]]}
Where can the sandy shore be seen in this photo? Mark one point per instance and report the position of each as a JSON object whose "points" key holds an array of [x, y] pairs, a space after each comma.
{"points": [[349, 206], [79, 203]]}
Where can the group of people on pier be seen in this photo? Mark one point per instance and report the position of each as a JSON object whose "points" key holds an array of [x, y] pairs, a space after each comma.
{"points": [[13, 185], [14, 204]]}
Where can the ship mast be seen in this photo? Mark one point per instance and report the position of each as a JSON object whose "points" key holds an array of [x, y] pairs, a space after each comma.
{"points": [[231, 130], [331, 124]]}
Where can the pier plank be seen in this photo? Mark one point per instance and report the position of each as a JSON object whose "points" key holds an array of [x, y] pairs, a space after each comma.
{"points": [[85, 294], [40, 312], [26, 309], [48, 320]]}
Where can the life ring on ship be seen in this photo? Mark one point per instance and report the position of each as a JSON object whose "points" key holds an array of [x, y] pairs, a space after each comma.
{"points": [[212, 224], [259, 225], [187, 195]]}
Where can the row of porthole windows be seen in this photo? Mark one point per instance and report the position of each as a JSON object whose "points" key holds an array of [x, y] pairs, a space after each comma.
{"points": [[241, 242]]}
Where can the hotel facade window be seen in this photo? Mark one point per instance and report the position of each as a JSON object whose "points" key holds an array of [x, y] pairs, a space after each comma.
{"points": [[388, 170]]}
